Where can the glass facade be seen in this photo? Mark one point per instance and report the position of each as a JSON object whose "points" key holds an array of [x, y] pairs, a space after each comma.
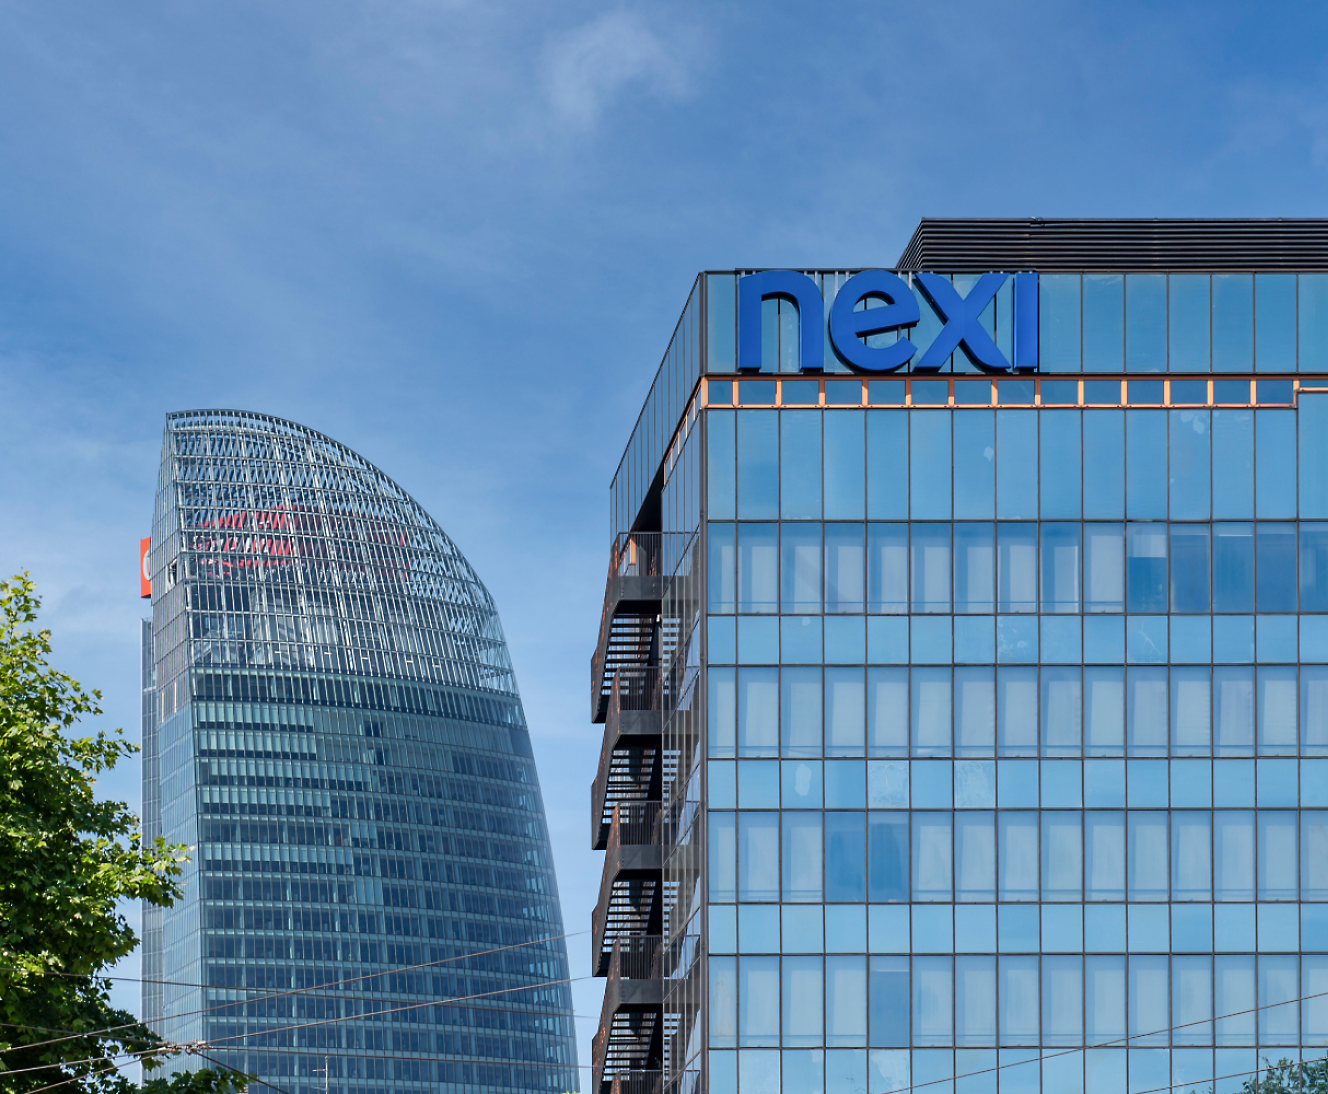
{"points": [[1007, 766], [331, 721]]}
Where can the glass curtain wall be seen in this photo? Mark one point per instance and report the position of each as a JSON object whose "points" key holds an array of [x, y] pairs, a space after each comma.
{"points": [[1017, 731], [332, 721]]}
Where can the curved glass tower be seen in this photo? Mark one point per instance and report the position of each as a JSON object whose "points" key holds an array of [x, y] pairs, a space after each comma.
{"points": [[332, 722]]}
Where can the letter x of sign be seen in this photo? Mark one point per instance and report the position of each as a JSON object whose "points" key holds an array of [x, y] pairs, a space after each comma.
{"points": [[961, 323]]}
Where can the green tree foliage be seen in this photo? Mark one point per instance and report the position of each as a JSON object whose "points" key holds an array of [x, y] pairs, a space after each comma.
{"points": [[1289, 1077], [66, 859]]}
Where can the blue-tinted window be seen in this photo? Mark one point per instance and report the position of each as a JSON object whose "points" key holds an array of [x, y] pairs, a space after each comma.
{"points": [[930, 566], [1233, 464], [1104, 322], [929, 464], [1016, 568], [844, 465], [888, 857], [1060, 471], [720, 465], [1146, 568], [800, 568], [1016, 464], [887, 464], [845, 857], [1145, 454], [1233, 322], [1146, 322], [1189, 568], [1189, 456], [974, 569], [1189, 320], [720, 568], [758, 567], [758, 465], [1275, 322], [887, 568], [1313, 318], [974, 464], [800, 470], [1058, 322], [1275, 463], [1104, 464], [1275, 551]]}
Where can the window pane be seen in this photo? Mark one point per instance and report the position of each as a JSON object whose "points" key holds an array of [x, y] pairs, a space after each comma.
{"points": [[722, 857], [758, 568], [1192, 1000], [1277, 857], [1104, 552], [800, 475], [887, 712], [1146, 568], [1189, 567], [1275, 463], [975, 856], [975, 464], [800, 711], [758, 1001], [1017, 567], [1103, 322], [1104, 711], [720, 465], [758, 712], [1275, 322], [931, 567], [887, 568], [1146, 322], [1233, 854], [1147, 856], [1016, 711], [932, 1003], [844, 711], [803, 995], [1060, 567], [802, 858], [1060, 448], [1104, 464], [1145, 452], [975, 1000], [844, 465], [931, 711], [1062, 1001], [887, 464], [758, 855], [1104, 999], [1233, 995], [1017, 855], [1191, 852], [1104, 855], [1189, 464], [929, 464], [1233, 568], [1062, 856], [1189, 322], [1233, 322], [975, 712], [1233, 463], [887, 835], [1016, 464], [1314, 855], [974, 569], [1275, 550], [758, 465], [1058, 326], [845, 857], [844, 577], [720, 570], [1018, 995], [1062, 706], [889, 1001], [1277, 710], [931, 857], [1191, 699], [800, 567], [1148, 1000], [1233, 711]]}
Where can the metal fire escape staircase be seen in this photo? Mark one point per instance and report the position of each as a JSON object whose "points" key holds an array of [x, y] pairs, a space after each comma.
{"points": [[626, 696]]}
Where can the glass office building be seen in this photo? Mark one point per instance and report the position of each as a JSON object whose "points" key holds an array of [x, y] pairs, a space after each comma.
{"points": [[966, 700], [332, 724]]}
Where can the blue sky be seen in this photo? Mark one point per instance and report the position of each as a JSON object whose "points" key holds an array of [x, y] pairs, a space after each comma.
{"points": [[456, 236]]}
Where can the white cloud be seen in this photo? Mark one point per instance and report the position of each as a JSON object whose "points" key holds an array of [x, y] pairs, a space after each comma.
{"points": [[587, 68]]}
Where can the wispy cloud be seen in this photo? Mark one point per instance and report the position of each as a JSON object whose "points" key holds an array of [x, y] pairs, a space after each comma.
{"points": [[587, 68]]}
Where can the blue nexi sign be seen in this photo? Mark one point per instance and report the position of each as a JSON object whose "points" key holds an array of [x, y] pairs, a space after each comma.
{"points": [[889, 305]]}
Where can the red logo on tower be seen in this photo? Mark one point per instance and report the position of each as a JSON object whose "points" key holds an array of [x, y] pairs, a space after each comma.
{"points": [[144, 574]]}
